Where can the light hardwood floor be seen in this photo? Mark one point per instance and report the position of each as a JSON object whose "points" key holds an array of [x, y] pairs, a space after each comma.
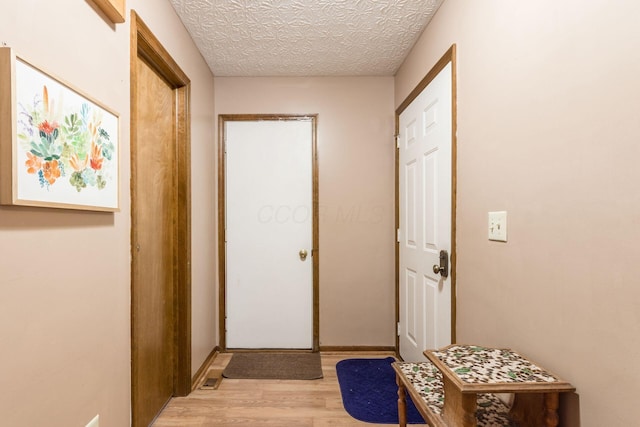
{"points": [[315, 403]]}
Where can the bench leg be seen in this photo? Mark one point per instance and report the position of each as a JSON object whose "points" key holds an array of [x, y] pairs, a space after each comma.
{"points": [[535, 409], [551, 401], [402, 403], [459, 408]]}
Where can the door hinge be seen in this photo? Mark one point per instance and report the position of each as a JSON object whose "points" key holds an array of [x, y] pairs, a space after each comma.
{"points": [[397, 140], [398, 235], [398, 328]]}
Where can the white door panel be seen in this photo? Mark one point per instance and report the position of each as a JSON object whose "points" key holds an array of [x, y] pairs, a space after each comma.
{"points": [[269, 289], [425, 218]]}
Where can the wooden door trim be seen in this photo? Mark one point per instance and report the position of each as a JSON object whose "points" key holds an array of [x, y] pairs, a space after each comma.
{"points": [[145, 45], [448, 57], [222, 312]]}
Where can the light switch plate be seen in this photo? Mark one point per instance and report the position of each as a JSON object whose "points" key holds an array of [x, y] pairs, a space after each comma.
{"points": [[95, 422], [498, 226]]}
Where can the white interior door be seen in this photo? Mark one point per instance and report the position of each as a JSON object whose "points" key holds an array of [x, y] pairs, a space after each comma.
{"points": [[425, 218], [269, 287]]}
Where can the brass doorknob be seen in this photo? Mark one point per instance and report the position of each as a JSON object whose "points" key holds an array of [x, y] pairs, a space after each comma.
{"points": [[303, 254], [437, 269]]}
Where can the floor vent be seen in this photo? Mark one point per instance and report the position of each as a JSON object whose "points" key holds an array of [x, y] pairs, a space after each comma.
{"points": [[214, 378]]}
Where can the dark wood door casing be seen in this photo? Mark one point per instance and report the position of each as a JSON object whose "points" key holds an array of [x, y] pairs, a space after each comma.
{"points": [[222, 119], [152, 68]]}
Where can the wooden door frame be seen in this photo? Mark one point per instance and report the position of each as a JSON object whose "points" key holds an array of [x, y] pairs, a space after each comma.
{"points": [[222, 119], [145, 45], [448, 57]]}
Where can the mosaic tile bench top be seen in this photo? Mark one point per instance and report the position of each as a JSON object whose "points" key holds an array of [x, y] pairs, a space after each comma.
{"points": [[426, 379], [481, 365]]}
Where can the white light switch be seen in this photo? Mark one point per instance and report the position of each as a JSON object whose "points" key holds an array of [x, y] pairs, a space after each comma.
{"points": [[498, 226]]}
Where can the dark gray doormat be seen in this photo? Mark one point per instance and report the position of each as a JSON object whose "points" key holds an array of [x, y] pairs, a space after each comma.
{"points": [[274, 366]]}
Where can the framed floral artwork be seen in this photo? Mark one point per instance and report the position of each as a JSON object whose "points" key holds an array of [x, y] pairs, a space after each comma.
{"points": [[59, 148]]}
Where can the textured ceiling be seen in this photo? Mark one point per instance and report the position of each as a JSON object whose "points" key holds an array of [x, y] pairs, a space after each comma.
{"points": [[305, 37]]}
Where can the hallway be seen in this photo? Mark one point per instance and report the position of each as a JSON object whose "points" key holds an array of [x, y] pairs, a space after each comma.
{"points": [[315, 403]]}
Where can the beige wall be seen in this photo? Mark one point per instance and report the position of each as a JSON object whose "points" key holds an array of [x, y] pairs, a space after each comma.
{"points": [[356, 164], [65, 275], [548, 129]]}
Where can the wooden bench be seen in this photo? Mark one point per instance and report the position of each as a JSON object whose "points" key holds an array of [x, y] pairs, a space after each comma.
{"points": [[423, 381], [456, 387]]}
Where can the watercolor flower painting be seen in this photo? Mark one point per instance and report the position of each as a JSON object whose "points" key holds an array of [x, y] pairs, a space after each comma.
{"points": [[58, 145], [66, 145]]}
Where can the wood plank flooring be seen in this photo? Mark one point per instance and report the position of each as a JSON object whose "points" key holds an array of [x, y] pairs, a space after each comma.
{"points": [[314, 403]]}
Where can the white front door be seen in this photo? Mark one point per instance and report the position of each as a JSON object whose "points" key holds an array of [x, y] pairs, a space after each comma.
{"points": [[269, 286], [425, 128]]}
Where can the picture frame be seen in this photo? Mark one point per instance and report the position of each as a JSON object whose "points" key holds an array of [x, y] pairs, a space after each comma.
{"points": [[59, 148], [114, 9]]}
